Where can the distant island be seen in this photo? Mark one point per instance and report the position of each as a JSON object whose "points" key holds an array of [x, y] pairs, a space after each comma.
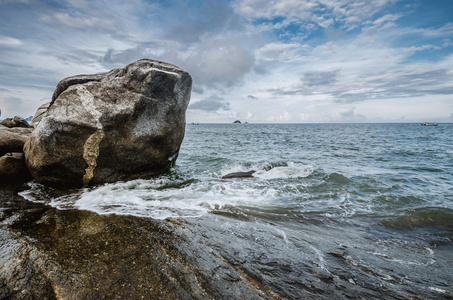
{"points": [[237, 122]]}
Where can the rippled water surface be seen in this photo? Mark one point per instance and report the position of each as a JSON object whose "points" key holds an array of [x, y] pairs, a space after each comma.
{"points": [[385, 189]]}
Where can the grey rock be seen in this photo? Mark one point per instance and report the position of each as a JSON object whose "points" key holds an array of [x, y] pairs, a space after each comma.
{"points": [[13, 139], [124, 124], [39, 114], [15, 122], [248, 174]]}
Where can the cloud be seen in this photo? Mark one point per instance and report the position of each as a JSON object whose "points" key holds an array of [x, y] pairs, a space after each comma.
{"points": [[76, 21], [189, 23], [216, 61], [405, 82], [211, 104], [386, 20], [11, 106], [323, 13], [278, 51], [413, 49], [268, 9], [296, 55], [284, 117], [3, 2], [350, 115], [318, 78], [220, 60], [9, 41]]}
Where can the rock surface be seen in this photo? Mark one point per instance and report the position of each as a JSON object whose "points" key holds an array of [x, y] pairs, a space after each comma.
{"points": [[15, 122], [248, 174], [39, 114], [124, 124], [13, 139], [47, 253], [13, 168]]}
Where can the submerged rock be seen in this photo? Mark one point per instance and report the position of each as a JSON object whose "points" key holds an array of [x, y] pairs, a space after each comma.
{"points": [[124, 124]]}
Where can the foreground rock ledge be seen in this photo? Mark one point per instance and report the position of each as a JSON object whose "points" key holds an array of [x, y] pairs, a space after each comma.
{"points": [[47, 253], [125, 124]]}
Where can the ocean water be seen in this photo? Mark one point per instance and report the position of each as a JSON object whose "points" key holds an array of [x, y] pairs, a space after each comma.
{"points": [[380, 193]]}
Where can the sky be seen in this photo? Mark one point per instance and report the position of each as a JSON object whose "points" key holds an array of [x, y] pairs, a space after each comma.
{"points": [[258, 61]]}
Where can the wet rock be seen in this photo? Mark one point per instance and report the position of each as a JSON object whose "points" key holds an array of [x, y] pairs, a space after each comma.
{"points": [[46, 253], [67, 254], [13, 139], [124, 124], [39, 114], [15, 122], [239, 175], [13, 168]]}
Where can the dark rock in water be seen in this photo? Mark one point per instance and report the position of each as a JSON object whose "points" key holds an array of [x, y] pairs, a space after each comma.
{"points": [[13, 139], [237, 122], [13, 168], [39, 114], [15, 122], [124, 124], [239, 175]]}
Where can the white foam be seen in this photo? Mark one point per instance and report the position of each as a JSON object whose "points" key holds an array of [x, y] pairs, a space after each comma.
{"points": [[157, 198], [164, 197], [291, 170], [266, 171], [437, 290]]}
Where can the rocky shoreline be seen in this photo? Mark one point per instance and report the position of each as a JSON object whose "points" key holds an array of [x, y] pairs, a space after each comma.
{"points": [[135, 131], [56, 254], [47, 253]]}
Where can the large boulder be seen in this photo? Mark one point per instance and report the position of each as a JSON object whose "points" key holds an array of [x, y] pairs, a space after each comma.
{"points": [[13, 139], [124, 124]]}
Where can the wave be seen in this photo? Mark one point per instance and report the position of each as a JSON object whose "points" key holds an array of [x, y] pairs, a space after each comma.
{"points": [[269, 171], [177, 196], [434, 217]]}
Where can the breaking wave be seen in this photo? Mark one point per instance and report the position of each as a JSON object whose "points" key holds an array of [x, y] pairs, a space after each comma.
{"points": [[171, 196]]}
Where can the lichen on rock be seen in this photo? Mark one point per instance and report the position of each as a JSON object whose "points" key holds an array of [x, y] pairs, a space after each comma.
{"points": [[91, 153]]}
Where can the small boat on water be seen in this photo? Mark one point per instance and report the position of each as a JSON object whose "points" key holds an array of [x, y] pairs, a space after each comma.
{"points": [[429, 124]]}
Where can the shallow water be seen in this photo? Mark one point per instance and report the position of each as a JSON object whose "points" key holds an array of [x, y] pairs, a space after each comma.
{"points": [[377, 197]]}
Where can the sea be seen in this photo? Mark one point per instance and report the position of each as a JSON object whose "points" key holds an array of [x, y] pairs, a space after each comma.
{"points": [[367, 206]]}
